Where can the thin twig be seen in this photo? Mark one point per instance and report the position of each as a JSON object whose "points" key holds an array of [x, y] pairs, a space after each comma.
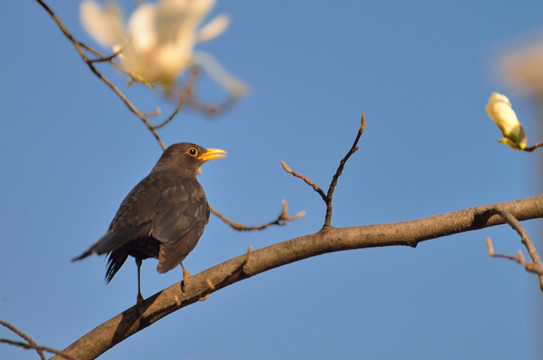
{"points": [[304, 178], [109, 59], [533, 147], [19, 332], [102, 58], [525, 239], [529, 266], [333, 183], [187, 91], [38, 348], [170, 118], [281, 220]]}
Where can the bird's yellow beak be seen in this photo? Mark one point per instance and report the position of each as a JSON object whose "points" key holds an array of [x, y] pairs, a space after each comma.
{"points": [[211, 154]]}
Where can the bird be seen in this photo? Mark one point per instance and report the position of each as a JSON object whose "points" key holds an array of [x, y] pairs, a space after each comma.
{"points": [[163, 216]]}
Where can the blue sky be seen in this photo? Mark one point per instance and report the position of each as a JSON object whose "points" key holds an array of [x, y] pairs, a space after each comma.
{"points": [[421, 71]]}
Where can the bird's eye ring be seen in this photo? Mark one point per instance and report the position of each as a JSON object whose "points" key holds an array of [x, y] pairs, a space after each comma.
{"points": [[192, 152]]}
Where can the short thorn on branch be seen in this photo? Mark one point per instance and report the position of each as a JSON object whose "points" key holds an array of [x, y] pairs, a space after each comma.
{"points": [[281, 220], [327, 198], [153, 114], [210, 284], [246, 268]]}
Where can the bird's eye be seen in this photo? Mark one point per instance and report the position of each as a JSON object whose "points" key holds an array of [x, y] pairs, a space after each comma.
{"points": [[192, 152]]}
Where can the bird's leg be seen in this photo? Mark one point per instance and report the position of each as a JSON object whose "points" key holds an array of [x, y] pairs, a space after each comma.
{"points": [[139, 299], [186, 275]]}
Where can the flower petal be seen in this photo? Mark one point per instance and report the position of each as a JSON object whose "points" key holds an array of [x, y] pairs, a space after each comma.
{"points": [[213, 29], [103, 23], [234, 86], [141, 28], [174, 16]]}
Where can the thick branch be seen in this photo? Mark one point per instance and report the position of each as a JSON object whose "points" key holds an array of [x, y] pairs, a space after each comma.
{"points": [[328, 240]]}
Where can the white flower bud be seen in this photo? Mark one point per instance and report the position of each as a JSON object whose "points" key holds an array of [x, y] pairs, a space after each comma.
{"points": [[500, 111]]}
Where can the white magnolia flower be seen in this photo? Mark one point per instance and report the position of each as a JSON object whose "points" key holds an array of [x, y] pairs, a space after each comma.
{"points": [[157, 43], [500, 111]]}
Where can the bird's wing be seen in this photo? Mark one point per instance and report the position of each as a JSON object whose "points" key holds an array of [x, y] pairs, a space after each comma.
{"points": [[171, 255], [181, 214], [133, 219], [180, 208]]}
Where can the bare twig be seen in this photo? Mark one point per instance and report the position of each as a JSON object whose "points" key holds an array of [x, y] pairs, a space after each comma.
{"points": [[187, 91], [327, 198], [109, 59], [533, 147], [307, 181], [28, 339], [529, 266], [101, 57], [38, 348], [333, 184], [281, 220], [536, 266], [170, 118]]}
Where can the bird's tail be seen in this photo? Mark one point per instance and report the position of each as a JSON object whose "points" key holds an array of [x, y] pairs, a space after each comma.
{"points": [[115, 260], [84, 255], [102, 246]]}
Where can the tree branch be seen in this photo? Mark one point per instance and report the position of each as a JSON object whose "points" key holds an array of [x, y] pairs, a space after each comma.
{"points": [[339, 171], [536, 266], [281, 220], [327, 198], [40, 349], [327, 240], [533, 147], [29, 340]]}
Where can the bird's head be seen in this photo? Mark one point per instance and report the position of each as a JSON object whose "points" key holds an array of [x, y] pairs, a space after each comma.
{"points": [[187, 157]]}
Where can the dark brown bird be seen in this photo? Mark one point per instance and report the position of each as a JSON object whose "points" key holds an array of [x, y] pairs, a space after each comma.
{"points": [[162, 217]]}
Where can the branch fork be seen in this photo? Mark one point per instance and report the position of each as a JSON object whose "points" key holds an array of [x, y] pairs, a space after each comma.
{"points": [[535, 266], [327, 198]]}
